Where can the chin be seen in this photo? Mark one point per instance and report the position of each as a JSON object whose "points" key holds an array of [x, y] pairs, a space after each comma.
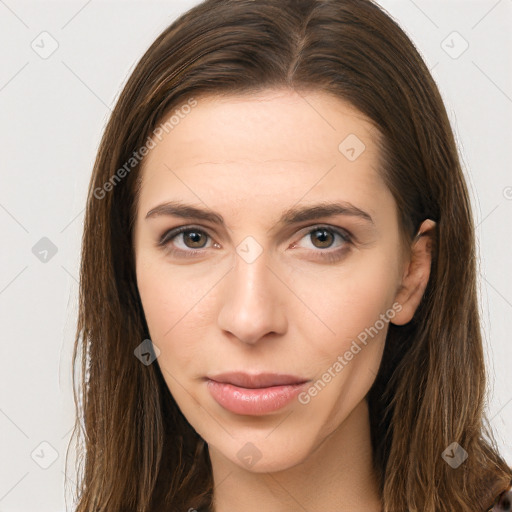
{"points": [[260, 455]]}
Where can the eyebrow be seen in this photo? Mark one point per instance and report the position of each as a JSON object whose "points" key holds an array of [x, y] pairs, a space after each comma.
{"points": [[291, 216]]}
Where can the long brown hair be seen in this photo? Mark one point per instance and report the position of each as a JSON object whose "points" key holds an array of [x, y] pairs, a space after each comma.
{"points": [[136, 451]]}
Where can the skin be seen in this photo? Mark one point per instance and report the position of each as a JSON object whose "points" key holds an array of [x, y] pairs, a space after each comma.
{"points": [[250, 158]]}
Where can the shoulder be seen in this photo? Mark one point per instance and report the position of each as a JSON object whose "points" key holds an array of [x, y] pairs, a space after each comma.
{"points": [[503, 502]]}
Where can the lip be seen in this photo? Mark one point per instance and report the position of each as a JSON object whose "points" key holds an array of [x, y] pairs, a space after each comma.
{"points": [[264, 393], [260, 380]]}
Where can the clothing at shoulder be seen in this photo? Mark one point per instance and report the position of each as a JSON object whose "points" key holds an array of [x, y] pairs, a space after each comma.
{"points": [[503, 502]]}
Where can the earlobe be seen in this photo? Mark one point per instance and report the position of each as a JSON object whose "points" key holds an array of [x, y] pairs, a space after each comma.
{"points": [[416, 273]]}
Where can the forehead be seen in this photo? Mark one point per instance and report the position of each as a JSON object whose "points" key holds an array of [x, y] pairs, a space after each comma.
{"points": [[277, 140], [285, 124]]}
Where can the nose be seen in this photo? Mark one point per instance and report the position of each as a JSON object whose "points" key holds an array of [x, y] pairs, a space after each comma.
{"points": [[253, 298]]}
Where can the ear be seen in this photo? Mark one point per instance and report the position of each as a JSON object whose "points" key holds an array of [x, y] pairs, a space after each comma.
{"points": [[416, 273]]}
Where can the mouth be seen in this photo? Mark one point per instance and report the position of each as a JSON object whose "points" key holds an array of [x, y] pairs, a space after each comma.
{"points": [[253, 395], [261, 380]]}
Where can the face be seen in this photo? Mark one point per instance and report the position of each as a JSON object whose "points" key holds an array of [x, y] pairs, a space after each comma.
{"points": [[260, 281]]}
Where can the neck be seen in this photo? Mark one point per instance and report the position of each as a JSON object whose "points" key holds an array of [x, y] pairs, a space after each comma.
{"points": [[337, 476]]}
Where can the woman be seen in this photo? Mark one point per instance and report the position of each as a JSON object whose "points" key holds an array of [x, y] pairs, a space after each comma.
{"points": [[278, 305]]}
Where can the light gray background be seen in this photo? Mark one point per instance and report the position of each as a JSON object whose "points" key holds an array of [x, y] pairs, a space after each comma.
{"points": [[52, 113]]}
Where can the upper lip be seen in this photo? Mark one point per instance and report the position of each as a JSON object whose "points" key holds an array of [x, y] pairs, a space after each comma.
{"points": [[260, 380]]}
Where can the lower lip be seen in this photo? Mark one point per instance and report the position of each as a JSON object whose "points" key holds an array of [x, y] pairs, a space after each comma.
{"points": [[253, 401]]}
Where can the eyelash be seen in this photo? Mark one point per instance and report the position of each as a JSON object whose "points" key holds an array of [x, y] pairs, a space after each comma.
{"points": [[329, 256]]}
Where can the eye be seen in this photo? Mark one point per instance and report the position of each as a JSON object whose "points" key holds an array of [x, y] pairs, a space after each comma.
{"points": [[324, 237], [193, 240]]}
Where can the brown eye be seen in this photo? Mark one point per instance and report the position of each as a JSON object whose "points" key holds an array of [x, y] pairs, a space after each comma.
{"points": [[192, 239], [326, 243], [185, 238], [324, 236]]}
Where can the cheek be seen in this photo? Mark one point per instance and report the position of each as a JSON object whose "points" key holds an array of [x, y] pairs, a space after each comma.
{"points": [[349, 301], [178, 306], [355, 307]]}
